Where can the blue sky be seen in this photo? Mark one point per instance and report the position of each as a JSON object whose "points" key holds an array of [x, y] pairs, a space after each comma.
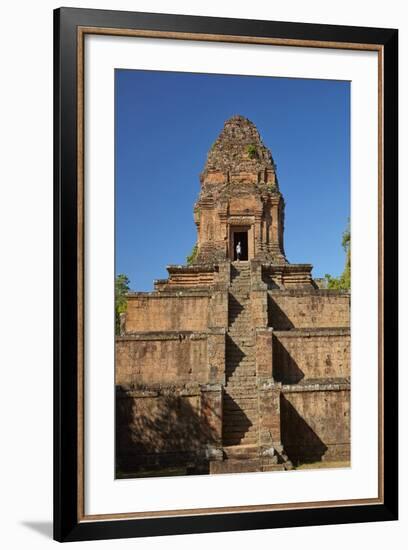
{"points": [[165, 123]]}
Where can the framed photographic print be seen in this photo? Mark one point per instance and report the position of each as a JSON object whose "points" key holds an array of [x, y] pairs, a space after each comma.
{"points": [[225, 274]]}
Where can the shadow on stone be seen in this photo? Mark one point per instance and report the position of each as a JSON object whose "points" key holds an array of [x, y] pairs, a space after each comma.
{"points": [[234, 309], [277, 318], [234, 356], [270, 283], [235, 422], [161, 433], [301, 443], [285, 368], [234, 273]]}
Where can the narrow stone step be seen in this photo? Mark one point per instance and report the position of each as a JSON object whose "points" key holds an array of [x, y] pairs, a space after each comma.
{"points": [[241, 377], [248, 409], [239, 397], [247, 405], [243, 400], [239, 315], [247, 380], [239, 437], [244, 352], [240, 441], [231, 414], [241, 366], [242, 372], [234, 420], [242, 369], [237, 334], [234, 466], [244, 385], [246, 423], [248, 384], [240, 360], [240, 319], [246, 363], [240, 430], [244, 357], [241, 451], [238, 339]]}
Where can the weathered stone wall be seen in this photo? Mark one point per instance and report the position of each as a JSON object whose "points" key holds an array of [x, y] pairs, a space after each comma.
{"points": [[269, 414], [299, 355], [263, 354], [161, 359], [211, 230], [167, 426], [166, 311], [315, 424], [307, 309]]}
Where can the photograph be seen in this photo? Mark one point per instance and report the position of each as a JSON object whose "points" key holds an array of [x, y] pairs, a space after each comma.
{"points": [[232, 274]]}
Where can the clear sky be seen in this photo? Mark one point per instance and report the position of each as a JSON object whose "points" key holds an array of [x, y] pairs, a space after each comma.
{"points": [[165, 123]]}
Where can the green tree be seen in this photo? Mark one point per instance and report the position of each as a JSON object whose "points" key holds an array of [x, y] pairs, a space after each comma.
{"points": [[121, 289], [252, 151], [193, 255], [344, 281]]}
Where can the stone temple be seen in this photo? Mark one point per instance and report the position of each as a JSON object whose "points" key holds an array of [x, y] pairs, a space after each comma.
{"points": [[234, 365]]}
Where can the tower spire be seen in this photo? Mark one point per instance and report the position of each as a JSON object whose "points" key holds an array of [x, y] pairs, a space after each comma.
{"points": [[239, 195]]}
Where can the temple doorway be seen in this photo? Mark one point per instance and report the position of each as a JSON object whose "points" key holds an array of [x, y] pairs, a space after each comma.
{"points": [[241, 237]]}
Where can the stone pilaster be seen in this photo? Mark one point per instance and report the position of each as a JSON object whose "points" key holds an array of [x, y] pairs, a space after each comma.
{"points": [[264, 354], [211, 413], [218, 307], [259, 297], [270, 442], [274, 235], [216, 356], [269, 415]]}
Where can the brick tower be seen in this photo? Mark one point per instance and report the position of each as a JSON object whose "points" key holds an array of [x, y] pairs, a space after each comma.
{"points": [[239, 199], [234, 365]]}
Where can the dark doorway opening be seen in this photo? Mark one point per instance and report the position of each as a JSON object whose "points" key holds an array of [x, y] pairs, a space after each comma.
{"points": [[241, 237]]}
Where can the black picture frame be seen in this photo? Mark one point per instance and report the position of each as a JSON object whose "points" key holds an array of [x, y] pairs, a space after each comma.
{"points": [[68, 526]]}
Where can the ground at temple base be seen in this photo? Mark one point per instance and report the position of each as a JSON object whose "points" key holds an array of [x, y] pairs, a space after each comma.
{"points": [[323, 464]]}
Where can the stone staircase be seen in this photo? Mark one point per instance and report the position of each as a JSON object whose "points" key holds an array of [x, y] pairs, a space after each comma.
{"points": [[240, 400]]}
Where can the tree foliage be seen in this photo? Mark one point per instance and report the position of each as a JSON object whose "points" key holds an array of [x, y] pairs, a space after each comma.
{"points": [[252, 151], [344, 281], [193, 255], [121, 289]]}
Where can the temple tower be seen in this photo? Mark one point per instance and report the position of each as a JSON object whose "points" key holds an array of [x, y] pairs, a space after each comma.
{"points": [[239, 199]]}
